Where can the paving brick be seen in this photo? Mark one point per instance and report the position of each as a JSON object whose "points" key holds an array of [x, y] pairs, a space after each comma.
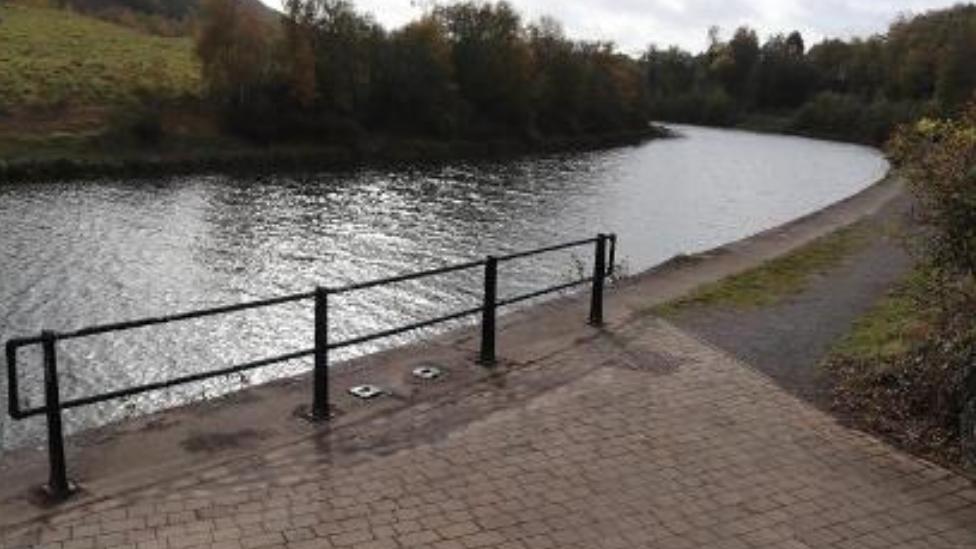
{"points": [[571, 451]]}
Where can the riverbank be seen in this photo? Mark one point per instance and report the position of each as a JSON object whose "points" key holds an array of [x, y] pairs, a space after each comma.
{"points": [[786, 316], [119, 457], [87, 160], [557, 446], [859, 324], [786, 123]]}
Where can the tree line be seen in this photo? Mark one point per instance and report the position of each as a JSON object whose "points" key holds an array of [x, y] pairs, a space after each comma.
{"points": [[857, 89], [467, 70], [478, 70]]}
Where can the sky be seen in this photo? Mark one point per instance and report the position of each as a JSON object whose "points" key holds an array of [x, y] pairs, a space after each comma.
{"points": [[635, 24]]}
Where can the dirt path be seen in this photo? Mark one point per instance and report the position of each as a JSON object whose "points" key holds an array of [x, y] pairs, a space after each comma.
{"points": [[788, 339]]}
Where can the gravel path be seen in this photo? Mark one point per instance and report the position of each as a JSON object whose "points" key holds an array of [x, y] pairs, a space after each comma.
{"points": [[787, 340]]}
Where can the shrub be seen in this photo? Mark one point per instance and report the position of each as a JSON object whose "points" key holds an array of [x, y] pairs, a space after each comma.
{"points": [[906, 370], [849, 117], [939, 158], [712, 107], [147, 126], [928, 393]]}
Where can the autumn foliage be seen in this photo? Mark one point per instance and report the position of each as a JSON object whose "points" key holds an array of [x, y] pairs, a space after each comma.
{"points": [[912, 374], [859, 89], [939, 158], [472, 70]]}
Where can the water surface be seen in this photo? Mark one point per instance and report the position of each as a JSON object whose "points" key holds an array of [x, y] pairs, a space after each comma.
{"points": [[75, 254]]}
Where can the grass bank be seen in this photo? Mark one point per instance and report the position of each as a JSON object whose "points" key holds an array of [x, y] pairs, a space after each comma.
{"points": [[776, 279], [80, 157], [50, 57], [83, 98], [905, 372]]}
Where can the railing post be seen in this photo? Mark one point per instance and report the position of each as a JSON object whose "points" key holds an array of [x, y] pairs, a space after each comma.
{"points": [[487, 357], [599, 274], [320, 396], [58, 487], [13, 399]]}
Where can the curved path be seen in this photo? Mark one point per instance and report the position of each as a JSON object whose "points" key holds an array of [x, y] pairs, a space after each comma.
{"points": [[637, 435], [788, 339]]}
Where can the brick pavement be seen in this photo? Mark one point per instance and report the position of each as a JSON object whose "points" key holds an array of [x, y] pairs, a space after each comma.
{"points": [[641, 437]]}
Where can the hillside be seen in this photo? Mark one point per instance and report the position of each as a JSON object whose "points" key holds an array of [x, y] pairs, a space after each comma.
{"points": [[54, 57], [173, 10]]}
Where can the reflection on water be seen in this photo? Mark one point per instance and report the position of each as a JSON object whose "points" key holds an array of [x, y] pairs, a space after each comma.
{"points": [[78, 254]]}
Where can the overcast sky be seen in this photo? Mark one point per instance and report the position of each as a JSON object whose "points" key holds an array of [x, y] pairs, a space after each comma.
{"points": [[634, 24]]}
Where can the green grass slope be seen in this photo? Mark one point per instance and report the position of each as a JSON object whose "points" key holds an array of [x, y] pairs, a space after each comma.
{"points": [[54, 57]]}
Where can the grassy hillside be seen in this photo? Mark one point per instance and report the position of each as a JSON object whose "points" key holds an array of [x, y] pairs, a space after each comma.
{"points": [[52, 57]]}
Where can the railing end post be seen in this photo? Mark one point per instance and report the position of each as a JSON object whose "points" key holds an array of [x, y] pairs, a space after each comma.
{"points": [[599, 276], [487, 356], [58, 488], [320, 393]]}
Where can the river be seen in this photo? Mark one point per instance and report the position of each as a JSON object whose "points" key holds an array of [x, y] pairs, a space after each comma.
{"points": [[74, 254]]}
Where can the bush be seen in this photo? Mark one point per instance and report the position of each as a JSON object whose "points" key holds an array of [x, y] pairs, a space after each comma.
{"points": [[906, 372], [939, 158], [147, 126], [925, 395], [269, 117], [713, 107], [848, 117]]}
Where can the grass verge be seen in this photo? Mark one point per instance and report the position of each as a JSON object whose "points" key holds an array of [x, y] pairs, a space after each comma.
{"points": [[889, 329], [50, 57], [776, 279], [905, 372]]}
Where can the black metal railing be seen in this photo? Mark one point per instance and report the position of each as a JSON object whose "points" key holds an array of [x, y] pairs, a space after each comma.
{"points": [[59, 486]]}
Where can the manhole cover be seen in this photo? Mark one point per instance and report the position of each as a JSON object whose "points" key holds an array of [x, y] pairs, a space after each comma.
{"points": [[427, 372], [366, 392]]}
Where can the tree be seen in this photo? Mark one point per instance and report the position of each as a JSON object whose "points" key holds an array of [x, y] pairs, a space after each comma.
{"points": [[300, 51], [795, 46], [735, 62], [419, 93], [346, 47], [669, 72], [616, 96], [955, 76], [559, 78], [492, 64], [784, 79], [234, 49], [831, 60]]}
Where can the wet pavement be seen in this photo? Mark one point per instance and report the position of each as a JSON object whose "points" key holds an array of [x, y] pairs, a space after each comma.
{"points": [[636, 435], [640, 436]]}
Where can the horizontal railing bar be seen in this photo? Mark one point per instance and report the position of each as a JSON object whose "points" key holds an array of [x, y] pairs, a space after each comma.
{"points": [[13, 404], [226, 309], [84, 401], [539, 293], [402, 329], [546, 249], [405, 277], [18, 342], [15, 343], [130, 325]]}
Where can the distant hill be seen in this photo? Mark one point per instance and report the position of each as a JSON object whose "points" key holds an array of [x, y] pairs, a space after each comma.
{"points": [[51, 57], [172, 9], [162, 16]]}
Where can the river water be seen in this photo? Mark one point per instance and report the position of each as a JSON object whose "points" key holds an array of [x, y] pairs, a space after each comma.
{"points": [[76, 254]]}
